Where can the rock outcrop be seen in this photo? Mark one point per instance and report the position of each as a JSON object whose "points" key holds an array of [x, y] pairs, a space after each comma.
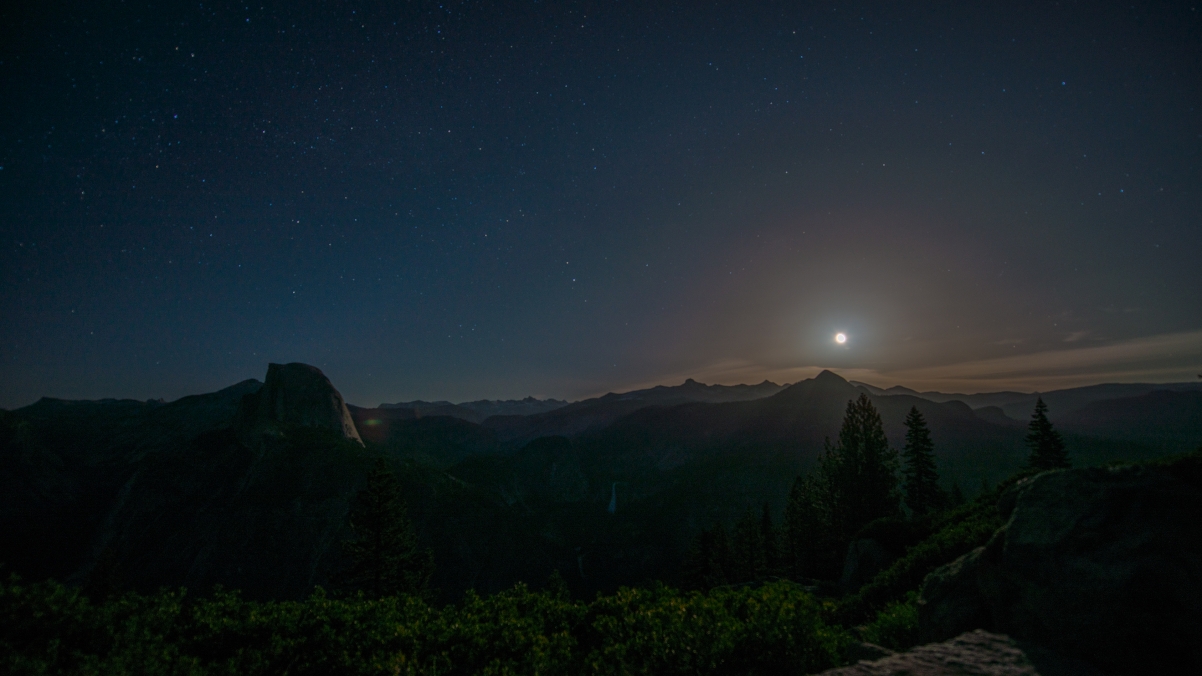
{"points": [[297, 395], [975, 653], [1102, 564]]}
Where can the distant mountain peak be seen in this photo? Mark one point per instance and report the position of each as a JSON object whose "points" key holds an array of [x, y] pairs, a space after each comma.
{"points": [[828, 376], [297, 394], [825, 384]]}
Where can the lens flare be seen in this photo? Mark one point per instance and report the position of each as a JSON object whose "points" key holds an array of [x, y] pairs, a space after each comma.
{"points": [[840, 338]]}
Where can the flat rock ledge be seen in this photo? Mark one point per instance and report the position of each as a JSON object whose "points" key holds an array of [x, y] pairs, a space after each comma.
{"points": [[975, 653]]}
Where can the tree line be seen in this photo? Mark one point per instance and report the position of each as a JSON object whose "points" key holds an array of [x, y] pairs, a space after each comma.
{"points": [[860, 479]]}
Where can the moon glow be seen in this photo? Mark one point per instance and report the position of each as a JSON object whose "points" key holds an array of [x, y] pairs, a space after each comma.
{"points": [[840, 338]]}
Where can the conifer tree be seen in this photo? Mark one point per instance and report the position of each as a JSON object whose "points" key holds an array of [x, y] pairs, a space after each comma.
{"points": [[708, 562], [771, 542], [858, 475], [748, 549], [923, 494], [1047, 447], [955, 497], [384, 556], [806, 531]]}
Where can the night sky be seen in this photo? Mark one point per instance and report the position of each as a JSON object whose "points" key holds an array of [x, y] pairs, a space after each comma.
{"points": [[463, 200]]}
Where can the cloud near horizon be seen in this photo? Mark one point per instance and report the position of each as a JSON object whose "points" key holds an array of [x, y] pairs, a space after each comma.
{"points": [[1158, 358]]}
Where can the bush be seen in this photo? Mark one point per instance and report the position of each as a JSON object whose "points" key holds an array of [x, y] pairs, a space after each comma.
{"points": [[514, 632], [320, 635], [895, 627], [782, 632], [775, 628], [50, 628], [658, 631], [47, 628]]}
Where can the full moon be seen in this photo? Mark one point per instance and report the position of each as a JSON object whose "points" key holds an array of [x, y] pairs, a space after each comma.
{"points": [[840, 338]]}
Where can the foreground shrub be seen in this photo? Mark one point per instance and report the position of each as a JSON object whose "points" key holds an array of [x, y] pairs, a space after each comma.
{"points": [[514, 632], [895, 627], [48, 628], [776, 628], [320, 635]]}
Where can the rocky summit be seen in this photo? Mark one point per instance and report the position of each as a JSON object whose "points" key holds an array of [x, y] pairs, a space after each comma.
{"points": [[1104, 564], [297, 395]]}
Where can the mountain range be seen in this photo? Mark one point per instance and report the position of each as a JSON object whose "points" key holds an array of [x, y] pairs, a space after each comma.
{"points": [[1019, 405], [476, 411], [249, 486]]}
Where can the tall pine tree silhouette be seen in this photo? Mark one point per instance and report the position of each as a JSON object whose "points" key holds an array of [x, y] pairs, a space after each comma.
{"points": [[858, 475], [923, 494], [769, 536], [1047, 447], [384, 557]]}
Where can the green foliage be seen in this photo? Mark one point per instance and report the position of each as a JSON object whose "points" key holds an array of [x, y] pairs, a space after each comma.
{"points": [[384, 557], [777, 628], [709, 562], [956, 532], [770, 541], [1046, 444], [558, 587], [750, 558], [808, 544], [955, 496], [858, 475], [47, 628], [753, 554], [896, 626], [856, 483], [230, 635], [514, 632], [1186, 467], [739, 627], [923, 494]]}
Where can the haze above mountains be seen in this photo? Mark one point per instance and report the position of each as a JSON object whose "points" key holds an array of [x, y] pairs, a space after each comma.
{"points": [[1014, 405]]}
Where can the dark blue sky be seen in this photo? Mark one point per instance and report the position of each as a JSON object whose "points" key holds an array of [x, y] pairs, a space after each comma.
{"points": [[466, 200]]}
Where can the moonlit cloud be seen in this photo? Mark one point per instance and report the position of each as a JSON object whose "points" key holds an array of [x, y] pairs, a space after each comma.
{"points": [[1151, 359], [1162, 358]]}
